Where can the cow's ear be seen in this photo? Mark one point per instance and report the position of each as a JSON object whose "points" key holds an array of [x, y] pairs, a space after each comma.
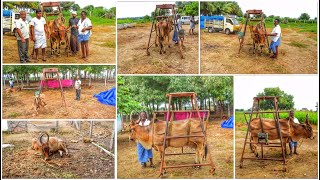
{"points": [[307, 119]]}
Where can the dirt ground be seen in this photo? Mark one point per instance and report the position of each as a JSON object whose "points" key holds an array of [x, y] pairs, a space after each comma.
{"points": [[302, 166], [219, 55], [102, 49], [221, 148], [84, 161], [18, 105], [132, 57]]}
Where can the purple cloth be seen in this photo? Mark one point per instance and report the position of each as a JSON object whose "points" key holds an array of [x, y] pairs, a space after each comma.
{"points": [[55, 83]]}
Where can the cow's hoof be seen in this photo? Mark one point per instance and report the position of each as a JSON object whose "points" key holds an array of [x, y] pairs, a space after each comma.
{"points": [[160, 52], [164, 52], [212, 171], [241, 165], [169, 46], [156, 45], [182, 57]]}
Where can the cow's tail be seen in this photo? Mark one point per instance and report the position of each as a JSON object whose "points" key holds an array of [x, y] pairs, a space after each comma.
{"points": [[205, 151]]}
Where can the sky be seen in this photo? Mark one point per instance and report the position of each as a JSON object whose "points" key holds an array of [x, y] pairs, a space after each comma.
{"points": [[283, 8], [305, 89], [137, 9]]}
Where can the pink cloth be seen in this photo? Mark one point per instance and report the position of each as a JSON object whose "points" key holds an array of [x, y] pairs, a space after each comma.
{"points": [[55, 83], [184, 115]]}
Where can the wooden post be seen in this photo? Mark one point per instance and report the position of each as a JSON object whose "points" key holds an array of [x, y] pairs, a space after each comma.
{"points": [[57, 126], [91, 127]]}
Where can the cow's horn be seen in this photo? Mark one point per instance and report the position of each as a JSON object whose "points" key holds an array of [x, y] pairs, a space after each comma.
{"points": [[47, 136], [40, 137]]}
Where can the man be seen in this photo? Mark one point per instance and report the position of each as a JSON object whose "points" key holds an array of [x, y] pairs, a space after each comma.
{"points": [[11, 83], [39, 32], [74, 44], [275, 39], [293, 144], [178, 26], [22, 30], [77, 86], [84, 29], [144, 154], [192, 25]]}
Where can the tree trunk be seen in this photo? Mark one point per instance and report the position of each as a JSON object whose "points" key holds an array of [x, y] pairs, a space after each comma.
{"points": [[89, 79], [209, 104]]}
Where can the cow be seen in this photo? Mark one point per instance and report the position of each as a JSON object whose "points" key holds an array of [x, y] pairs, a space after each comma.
{"points": [[258, 35], [298, 131], [38, 102], [152, 136], [48, 145], [163, 29], [58, 35], [289, 130]]}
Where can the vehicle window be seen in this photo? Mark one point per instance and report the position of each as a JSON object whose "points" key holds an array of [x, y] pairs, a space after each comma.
{"points": [[235, 22], [229, 21]]}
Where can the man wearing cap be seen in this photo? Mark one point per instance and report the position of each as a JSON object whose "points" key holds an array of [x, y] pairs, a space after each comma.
{"points": [[74, 44]]}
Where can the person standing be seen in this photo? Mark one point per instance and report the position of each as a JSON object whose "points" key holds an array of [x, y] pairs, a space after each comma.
{"points": [[144, 155], [22, 34], [178, 26], [39, 33], [84, 29], [293, 144], [192, 25], [275, 39], [74, 44], [77, 86], [11, 83]]}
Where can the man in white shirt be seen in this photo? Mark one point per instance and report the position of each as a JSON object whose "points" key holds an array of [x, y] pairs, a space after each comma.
{"points": [[275, 39], [84, 28], [293, 144], [39, 32], [22, 30], [178, 26], [77, 86], [144, 155]]}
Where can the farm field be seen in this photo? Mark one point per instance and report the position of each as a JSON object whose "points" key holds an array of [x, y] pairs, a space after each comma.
{"points": [[18, 105], [102, 49], [297, 53], [300, 115], [85, 160], [302, 166], [221, 147], [132, 57]]}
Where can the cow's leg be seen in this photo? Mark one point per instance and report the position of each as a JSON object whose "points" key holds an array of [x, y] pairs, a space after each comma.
{"points": [[64, 148], [254, 146], [61, 153], [59, 47], [168, 39], [155, 39]]}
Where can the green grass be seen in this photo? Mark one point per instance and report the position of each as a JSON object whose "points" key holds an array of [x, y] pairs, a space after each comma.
{"points": [[298, 44], [14, 114], [129, 20], [303, 27], [300, 115], [109, 44]]}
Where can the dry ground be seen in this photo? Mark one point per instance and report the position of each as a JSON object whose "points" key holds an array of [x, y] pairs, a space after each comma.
{"points": [[85, 160], [302, 166], [102, 49], [18, 105], [132, 57], [219, 51], [221, 147]]}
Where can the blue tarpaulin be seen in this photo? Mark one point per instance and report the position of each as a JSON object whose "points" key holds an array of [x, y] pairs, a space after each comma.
{"points": [[228, 123], [6, 13], [209, 18], [107, 97]]}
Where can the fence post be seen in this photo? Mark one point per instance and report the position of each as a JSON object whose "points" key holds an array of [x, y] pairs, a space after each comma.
{"points": [[91, 127], [57, 126], [112, 137]]}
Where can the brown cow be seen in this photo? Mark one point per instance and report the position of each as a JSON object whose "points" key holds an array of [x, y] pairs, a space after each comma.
{"points": [[58, 35], [163, 29], [298, 131], [258, 36], [50, 145], [287, 127], [153, 135]]}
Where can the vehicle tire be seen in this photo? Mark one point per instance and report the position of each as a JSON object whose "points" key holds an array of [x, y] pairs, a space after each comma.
{"points": [[227, 31], [210, 30]]}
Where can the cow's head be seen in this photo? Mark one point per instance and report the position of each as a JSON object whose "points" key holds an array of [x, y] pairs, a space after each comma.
{"points": [[60, 30], [44, 146], [259, 34], [133, 129], [308, 132]]}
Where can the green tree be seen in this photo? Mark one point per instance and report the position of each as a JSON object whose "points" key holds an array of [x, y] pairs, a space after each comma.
{"points": [[285, 100], [220, 8], [304, 16]]}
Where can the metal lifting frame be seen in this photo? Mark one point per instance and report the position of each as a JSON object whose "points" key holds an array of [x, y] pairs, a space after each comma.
{"points": [[195, 108], [46, 71], [261, 19], [156, 19], [276, 116], [50, 5]]}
